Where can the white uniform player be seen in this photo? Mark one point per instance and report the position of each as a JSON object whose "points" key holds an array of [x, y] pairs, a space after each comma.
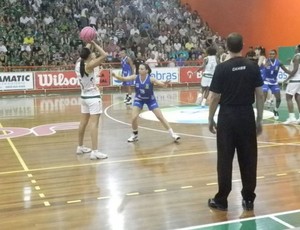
{"points": [[293, 88], [209, 65], [91, 100], [91, 104]]}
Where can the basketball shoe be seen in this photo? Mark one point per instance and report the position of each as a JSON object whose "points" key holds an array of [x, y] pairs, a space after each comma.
{"points": [[290, 121], [126, 98], [83, 149], [276, 115], [175, 137], [133, 138], [128, 102], [95, 154]]}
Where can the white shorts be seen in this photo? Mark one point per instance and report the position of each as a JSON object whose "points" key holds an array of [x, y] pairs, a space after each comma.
{"points": [[206, 81], [292, 88], [91, 105]]}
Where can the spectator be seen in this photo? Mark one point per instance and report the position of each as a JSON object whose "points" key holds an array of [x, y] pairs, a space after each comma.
{"points": [[111, 49], [135, 38], [28, 40], [152, 62], [2, 46], [152, 44], [134, 30], [3, 59], [47, 20], [93, 20], [177, 45], [189, 45], [180, 60], [162, 38], [120, 34]]}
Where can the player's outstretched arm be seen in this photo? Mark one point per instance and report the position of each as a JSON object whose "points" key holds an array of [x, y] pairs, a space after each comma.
{"points": [[160, 83], [120, 78]]}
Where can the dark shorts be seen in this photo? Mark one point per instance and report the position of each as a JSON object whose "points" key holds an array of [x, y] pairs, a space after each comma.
{"points": [[151, 103], [273, 88]]}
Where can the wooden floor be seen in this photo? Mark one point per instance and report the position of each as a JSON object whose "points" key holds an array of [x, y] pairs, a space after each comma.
{"points": [[152, 184]]}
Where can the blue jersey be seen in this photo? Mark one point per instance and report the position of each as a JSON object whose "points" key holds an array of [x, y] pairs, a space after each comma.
{"points": [[271, 72], [144, 90], [126, 68]]}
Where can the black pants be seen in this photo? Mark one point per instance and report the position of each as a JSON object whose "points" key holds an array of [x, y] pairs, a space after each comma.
{"points": [[236, 130]]}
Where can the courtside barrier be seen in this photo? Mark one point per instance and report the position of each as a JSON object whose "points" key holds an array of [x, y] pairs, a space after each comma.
{"points": [[29, 82]]}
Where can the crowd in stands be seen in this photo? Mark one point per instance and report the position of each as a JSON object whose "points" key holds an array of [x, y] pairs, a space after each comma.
{"points": [[46, 32]]}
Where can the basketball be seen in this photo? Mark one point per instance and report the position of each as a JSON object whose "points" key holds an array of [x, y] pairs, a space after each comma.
{"points": [[87, 34]]}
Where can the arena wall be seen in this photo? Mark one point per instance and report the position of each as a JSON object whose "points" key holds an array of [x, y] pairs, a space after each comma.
{"points": [[270, 23]]}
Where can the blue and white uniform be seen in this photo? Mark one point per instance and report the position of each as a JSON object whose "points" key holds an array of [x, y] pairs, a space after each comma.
{"points": [[126, 70], [90, 95], [144, 93], [269, 75]]}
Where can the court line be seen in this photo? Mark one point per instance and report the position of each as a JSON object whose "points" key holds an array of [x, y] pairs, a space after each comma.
{"points": [[22, 162], [121, 161], [282, 222], [146, 128], [186, 134], [110, 162], [18, 155], [271, 216]]}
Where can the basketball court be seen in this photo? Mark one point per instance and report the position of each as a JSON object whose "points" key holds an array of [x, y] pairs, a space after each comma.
{"points": [[151, 184]]}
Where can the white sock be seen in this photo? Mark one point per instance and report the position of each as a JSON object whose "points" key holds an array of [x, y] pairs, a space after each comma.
{"points": [[171, 132], [292, 116]]}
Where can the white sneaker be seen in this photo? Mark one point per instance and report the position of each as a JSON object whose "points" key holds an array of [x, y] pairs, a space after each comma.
{"points": [[290, 121], [276, 115], [133, 138], [97, 155], [128, 102], [126, 99], [83, 149], [175, 137]]}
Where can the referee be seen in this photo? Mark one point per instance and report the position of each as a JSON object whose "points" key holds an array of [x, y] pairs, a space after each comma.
{"points": [[236, 85]]}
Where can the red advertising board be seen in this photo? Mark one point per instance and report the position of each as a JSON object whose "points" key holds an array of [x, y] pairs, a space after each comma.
{"points": [[55, 80], [65, 79], [104, 77], [189, 74]]}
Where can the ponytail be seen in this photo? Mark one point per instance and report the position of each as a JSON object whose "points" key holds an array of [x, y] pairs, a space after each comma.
{"points": [[82, 69], [84, 54]]}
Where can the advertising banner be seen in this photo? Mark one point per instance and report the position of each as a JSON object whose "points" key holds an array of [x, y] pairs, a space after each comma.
{"points": [[162, 74], [281, 76], [16, 81], [189, 74], [55, 80], [104, 75], [166, 74]]}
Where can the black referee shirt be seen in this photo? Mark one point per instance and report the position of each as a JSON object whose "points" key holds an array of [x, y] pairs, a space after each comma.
{"points": [[236, 80]]}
